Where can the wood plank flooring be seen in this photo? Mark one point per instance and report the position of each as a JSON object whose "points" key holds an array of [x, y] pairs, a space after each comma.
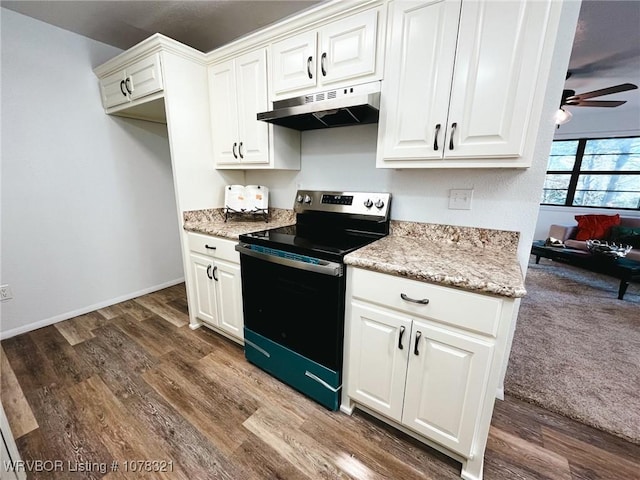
{"points": [[132, 382]]}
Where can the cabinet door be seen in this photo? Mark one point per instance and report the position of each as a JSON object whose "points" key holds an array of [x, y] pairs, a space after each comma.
{"points": [[446, 381], [379, 347], [498, 57], [417, 80], [144, 77], [293, 65], [224, 113], [348, 48], [203, 288], [251, 88], [229, 295], [113, 90]]}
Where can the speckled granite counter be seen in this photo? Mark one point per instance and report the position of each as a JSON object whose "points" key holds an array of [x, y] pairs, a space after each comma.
{"points": [[211, 222], [474, 259]]}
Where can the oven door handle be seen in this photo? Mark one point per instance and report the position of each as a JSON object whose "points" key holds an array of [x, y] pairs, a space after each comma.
{"points": [[324, 267]]}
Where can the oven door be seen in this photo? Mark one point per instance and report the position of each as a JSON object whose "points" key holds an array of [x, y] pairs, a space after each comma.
{"points": [[294, 320]]}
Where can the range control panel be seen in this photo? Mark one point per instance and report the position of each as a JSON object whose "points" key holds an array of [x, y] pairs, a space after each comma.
{"points": [[337, 199], [355, 203]]}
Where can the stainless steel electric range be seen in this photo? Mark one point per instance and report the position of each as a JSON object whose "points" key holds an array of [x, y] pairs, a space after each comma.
{"points": [[293, 287]]}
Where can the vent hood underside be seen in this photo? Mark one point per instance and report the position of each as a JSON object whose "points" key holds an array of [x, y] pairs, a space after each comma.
{"points": [[336, 108]]}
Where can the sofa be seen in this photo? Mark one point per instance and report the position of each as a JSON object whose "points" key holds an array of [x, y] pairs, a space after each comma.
{"points": [[610, 228]]}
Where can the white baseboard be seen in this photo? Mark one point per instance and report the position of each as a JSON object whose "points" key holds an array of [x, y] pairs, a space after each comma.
{"points": [[500, 393], [90, 308]]}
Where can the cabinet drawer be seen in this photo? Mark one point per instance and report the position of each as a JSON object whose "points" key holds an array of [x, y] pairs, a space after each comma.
{"points": [[470, 311], [214, 247]]}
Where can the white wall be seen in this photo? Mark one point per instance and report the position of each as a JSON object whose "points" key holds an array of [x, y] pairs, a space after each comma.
{"points": [[88, 209]]}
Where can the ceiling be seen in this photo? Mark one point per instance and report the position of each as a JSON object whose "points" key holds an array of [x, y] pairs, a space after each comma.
{"points": [[204, 25], [606, 50]]}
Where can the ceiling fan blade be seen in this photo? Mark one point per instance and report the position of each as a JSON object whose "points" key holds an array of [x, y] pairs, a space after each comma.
{"points": [[604, 91], [595, 103]]}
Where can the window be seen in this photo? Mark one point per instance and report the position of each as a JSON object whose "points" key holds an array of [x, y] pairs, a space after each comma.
{"points": [[603, 173]]}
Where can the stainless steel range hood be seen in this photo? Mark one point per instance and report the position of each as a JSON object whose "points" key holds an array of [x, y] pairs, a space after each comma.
{"points": [[333, 108]]}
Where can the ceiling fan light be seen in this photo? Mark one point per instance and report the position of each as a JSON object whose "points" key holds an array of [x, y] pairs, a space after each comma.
{"points": [[562, 116]]}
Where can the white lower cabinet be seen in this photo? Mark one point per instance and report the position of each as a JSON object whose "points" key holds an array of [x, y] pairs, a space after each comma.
{"points": [[215, 285], [446, 377], [430, 374]]}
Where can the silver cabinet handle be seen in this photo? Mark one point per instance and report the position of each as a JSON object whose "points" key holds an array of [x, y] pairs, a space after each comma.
{"points": [[423, 301], [415, 347], [453, 130], [240, 150], [309, 67], [235, 144], [402, 329], [435, 139], [323, 58]]}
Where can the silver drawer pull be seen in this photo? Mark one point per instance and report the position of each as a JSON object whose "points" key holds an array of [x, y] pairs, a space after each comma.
{"points": [[321, 382], [424, 301], [257, 348]]}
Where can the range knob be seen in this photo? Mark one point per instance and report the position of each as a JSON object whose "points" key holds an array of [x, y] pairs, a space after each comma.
{"points": [[379, 203], [299, 199], [307, 199], [368, 203]]}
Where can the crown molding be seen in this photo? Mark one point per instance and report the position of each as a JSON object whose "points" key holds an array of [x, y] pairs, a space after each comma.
{"points": [[304, 21], [155, 43]]}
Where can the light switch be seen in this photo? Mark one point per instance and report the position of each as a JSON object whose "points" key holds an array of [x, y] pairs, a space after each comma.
{"points": [[460, 199]]}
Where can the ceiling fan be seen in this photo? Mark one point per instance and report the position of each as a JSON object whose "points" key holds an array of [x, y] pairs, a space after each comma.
{"points": [[571, 99]]}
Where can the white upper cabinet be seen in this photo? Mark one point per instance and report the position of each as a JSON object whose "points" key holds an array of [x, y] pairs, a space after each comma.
{"points": [[224, 112], [293, 64], [461, 81], [137, 80], [340, 52], [415, 91], [237, 92]]}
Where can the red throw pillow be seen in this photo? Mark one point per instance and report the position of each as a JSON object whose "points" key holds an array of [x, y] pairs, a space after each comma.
{"points": [[595, 226]]}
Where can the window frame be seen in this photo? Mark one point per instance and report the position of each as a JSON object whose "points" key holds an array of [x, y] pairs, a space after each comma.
{"points": [[576, 171]]}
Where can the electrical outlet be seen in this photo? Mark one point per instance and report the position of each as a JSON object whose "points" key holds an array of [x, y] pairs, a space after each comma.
{"points": [[460, 199], [5, 293]]}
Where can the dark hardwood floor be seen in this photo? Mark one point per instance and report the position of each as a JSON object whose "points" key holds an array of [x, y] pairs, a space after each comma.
{"points": [[132, 383]]}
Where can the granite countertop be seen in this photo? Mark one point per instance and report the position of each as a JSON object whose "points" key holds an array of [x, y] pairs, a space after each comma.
{"points": [[477, 260], [211, 222], [474, 259]]}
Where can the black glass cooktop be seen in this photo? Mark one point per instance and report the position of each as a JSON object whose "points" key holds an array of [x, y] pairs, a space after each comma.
{"points": [[326, 244]]}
